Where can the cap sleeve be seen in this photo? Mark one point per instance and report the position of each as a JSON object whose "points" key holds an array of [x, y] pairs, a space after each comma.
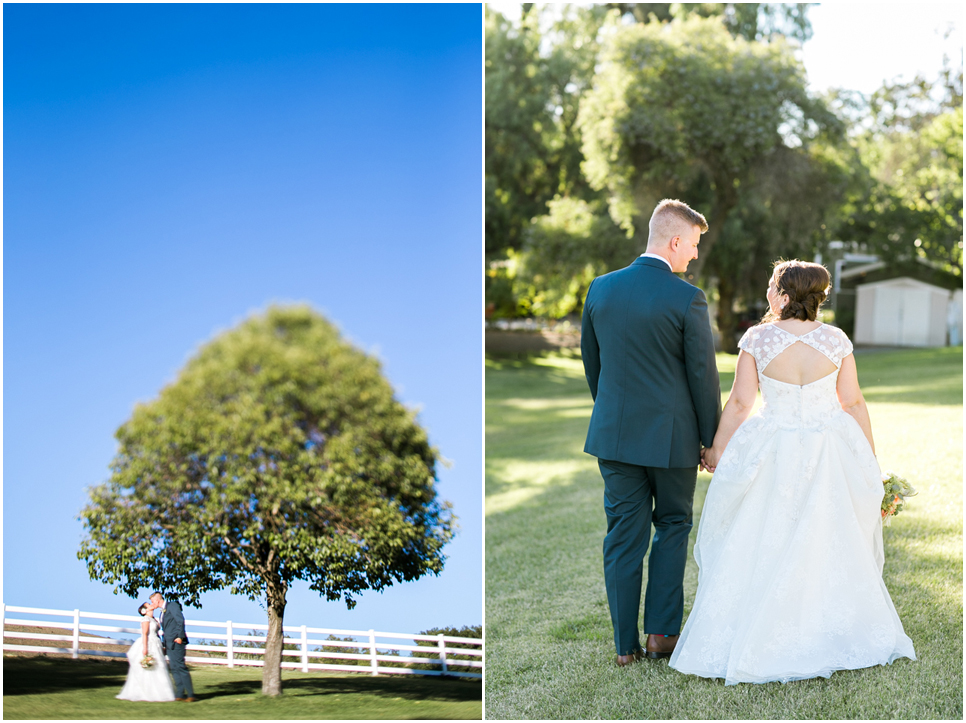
{"points": [[747, 342], [844, 348]]}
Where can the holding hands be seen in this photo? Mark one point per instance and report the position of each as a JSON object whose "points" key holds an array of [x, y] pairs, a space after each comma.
{"points": [[709, 459]]}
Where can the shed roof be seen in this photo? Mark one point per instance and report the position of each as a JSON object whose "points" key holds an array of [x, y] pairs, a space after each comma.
{"points": [[904, 282]]}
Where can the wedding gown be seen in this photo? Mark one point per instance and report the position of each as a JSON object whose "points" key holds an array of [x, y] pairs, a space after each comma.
{"points": [[789, 545], [151, 684]]}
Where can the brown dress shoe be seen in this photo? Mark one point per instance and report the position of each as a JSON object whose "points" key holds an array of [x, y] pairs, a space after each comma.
{"points": [[659, 646], [180, 700], [624, 660], [190, 700]]}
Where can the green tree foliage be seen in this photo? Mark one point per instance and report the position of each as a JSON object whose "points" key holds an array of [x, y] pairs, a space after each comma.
{"points": [[564, 251], [532, 98], [516, 121], [912, 145], [688, 103], [278, 454], [751, 21], [791, 207]]}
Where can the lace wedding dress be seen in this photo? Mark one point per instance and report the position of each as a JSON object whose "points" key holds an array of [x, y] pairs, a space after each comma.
{"points": [[789, 545], [147, 684]]}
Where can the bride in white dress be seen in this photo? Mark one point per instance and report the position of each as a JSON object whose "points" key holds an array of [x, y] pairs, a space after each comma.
{"points": [[147, 684], [789, 545]]}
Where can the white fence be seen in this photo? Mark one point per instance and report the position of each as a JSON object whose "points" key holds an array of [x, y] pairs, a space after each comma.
{"points": [[382, 650]]}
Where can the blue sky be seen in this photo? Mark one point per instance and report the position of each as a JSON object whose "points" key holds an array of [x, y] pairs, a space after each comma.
{"points": [[171, 169]]}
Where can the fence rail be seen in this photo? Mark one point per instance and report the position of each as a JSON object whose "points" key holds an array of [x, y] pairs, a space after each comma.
{"points": [[376, 652]]}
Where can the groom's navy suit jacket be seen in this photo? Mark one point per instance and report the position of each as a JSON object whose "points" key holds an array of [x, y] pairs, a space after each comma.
{"points": [[172, 624], [648, 355]]}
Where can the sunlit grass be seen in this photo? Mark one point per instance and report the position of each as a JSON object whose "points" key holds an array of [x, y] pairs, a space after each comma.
{"points": [[549, 637]]}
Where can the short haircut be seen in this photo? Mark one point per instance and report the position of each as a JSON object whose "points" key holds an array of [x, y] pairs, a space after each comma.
{"points": [[155, 593], [670, 218]]}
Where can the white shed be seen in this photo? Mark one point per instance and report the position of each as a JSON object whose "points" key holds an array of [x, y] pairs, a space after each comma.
{"points": [[901, 312]]}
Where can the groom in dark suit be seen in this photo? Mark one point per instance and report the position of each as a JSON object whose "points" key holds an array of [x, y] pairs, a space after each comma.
{"points": [[176, 643], [648, 355]]}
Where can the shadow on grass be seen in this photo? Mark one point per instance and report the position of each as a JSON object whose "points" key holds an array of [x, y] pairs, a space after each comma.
{"points": [[39, 675], [409, 687]]}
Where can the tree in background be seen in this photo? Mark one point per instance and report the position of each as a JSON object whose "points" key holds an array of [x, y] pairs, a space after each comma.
{"points": [[563, 252], [538, 69], [910, 138], [278, 454], [689, 104], [517, 120]]}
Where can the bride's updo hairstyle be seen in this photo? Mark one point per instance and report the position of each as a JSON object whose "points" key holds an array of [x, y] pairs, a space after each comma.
{"points": [[141, 609], [805, 283]]}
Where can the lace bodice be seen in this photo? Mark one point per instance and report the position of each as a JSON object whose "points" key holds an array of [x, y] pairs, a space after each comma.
{"points": [[767, 341], [792, 406]]}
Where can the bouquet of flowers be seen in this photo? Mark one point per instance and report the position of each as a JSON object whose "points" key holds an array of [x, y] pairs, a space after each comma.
{"points": [[896, 490], [147, 662]]}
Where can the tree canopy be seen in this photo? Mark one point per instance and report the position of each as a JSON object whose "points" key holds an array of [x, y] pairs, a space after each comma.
{"points": [[278, 454], [689, 103]]}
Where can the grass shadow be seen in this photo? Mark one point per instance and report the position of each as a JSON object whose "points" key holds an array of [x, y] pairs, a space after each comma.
{"points": [[404, 687], [42, 674]]}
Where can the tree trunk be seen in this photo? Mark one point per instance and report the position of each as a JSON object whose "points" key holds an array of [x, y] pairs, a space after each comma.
{"points": [[725, 199], [272, 672], [645, 199], [726, 315]]}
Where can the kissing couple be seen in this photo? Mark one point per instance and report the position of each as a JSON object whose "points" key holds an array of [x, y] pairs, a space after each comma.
{"points": [[789, 548], [148, 680]]}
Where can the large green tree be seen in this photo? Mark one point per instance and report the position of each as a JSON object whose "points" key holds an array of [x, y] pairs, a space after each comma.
{"points": [[688, 103], [278, 454]]}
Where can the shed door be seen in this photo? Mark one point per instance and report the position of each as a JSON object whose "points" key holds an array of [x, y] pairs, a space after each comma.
{"points": [[901, 316]]}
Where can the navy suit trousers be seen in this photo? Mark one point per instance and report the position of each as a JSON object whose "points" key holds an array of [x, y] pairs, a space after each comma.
{"points": [[634, 498]]}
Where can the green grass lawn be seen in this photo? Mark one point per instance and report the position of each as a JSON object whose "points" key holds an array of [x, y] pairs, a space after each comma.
{"points": [[48, 687], [549, 638]]}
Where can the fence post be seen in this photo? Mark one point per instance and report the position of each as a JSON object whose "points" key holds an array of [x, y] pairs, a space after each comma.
{"points": [[76, 646], [372, 652], [305, 650], [442, 654], [230, 639]]}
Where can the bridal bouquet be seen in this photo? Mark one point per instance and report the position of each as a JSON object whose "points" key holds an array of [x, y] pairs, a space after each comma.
{"points": [[896, 490], [147, 662]]}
